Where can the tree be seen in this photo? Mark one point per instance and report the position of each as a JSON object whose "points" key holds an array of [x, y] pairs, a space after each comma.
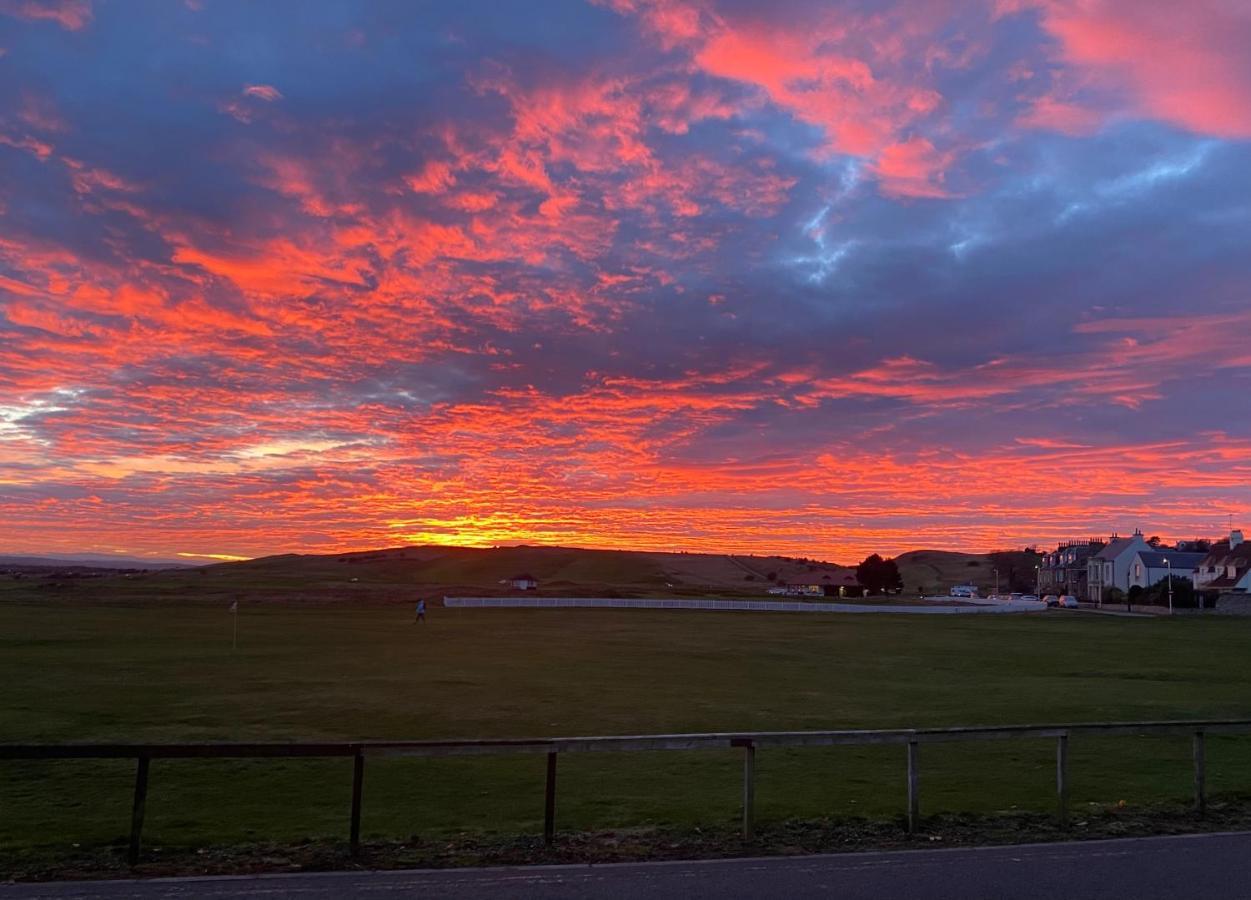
{"points": [[1183, 593], [879, 575]]}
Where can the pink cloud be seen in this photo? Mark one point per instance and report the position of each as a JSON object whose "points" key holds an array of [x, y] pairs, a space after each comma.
{"points": [[913, 168], [265, 92], [1053, 113], [1186, 64], [865, 81], [71, 15]]}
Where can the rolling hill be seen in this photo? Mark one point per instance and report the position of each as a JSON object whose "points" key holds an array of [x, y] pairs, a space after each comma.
{"points": [[935, 571], [402, 574]]}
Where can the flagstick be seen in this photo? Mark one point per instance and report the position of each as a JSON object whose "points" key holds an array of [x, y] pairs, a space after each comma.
{"points": [[234, 641]]}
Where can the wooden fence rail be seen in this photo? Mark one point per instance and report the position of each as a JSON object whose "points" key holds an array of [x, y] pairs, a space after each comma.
{"points": [[748, 741]]}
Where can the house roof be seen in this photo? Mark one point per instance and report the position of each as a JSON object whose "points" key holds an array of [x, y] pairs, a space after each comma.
{"points": [[1221, 555], [1117, 546], [523, 578], [1081, 553], [1155, 559]]}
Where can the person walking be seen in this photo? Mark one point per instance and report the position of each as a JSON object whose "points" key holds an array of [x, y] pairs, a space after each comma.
{"points": [[421, 611]]}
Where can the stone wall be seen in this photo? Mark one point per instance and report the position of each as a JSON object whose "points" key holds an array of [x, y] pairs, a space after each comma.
{"points": [[1234, 605]]}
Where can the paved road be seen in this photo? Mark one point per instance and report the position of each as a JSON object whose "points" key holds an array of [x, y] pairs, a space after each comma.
{"points": [[943, 606], [1215, 867]]}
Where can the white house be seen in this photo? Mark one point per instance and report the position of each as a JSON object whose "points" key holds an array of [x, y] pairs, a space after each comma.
{"points": [[1227, 567], [1112, 566], [524, 583], [1153, 566]]}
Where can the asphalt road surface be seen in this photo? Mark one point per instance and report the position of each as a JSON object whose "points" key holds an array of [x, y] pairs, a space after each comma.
{"points": [[1214, 867]]}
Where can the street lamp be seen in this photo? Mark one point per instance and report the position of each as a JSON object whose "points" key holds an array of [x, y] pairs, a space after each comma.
{"points": [[1169, 567], [996, 571]]}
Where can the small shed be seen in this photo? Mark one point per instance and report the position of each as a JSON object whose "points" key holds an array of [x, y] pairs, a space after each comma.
{"points": [[524, 583]]}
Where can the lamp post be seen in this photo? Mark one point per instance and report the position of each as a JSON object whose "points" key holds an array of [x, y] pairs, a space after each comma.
{"points": [[1037, 579], [1169, 568], [996, 582]]}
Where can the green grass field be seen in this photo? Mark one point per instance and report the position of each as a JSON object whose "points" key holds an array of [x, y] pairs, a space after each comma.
{"points": [[163, 673]]}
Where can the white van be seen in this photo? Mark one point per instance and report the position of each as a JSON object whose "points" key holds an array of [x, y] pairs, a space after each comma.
{"points": [[964, 590]]}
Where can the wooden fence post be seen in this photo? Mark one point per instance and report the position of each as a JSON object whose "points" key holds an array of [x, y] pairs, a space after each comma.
{"points": [[137, 810], [749, 790], [1201, 802], [1062, 779], [914, 787], [549, 801], [358, 783]]}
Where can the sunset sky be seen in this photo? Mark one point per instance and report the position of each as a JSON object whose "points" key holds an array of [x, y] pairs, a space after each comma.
{"points": [[809, 277]]}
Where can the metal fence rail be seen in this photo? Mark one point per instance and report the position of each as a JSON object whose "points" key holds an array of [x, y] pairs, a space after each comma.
{"points": [[748, 741]]}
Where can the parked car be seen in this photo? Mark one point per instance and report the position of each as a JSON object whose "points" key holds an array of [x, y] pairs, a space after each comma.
{"points": [[1032, 598], [1068, 601], [1051, 600]]}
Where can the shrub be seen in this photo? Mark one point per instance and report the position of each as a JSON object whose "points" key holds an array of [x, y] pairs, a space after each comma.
{"points": [[1183, 593]]}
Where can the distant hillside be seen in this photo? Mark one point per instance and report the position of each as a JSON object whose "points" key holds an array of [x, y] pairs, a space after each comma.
{"points": [[91, 561], [402, 574], [559, 570], [935, 571]]}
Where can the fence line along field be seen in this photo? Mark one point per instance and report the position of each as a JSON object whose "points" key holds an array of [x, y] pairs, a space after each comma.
{"points": [[160, 673]]}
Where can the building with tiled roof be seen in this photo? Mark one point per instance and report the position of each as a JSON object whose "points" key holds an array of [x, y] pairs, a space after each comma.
{"points": [[1111, 567], [1227, 567], [1153, 566]]}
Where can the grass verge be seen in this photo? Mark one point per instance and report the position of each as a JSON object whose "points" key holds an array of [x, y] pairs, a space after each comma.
{"points": [[786, 838]]}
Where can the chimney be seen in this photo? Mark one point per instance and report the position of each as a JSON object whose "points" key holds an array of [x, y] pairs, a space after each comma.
{"points": [[1235, 538]]}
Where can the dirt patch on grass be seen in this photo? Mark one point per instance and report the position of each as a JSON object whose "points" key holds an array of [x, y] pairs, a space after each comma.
{"points": [[831, 835]]}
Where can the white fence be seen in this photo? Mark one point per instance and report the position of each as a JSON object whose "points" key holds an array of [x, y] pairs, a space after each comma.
{"points": [[727, 605]]}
